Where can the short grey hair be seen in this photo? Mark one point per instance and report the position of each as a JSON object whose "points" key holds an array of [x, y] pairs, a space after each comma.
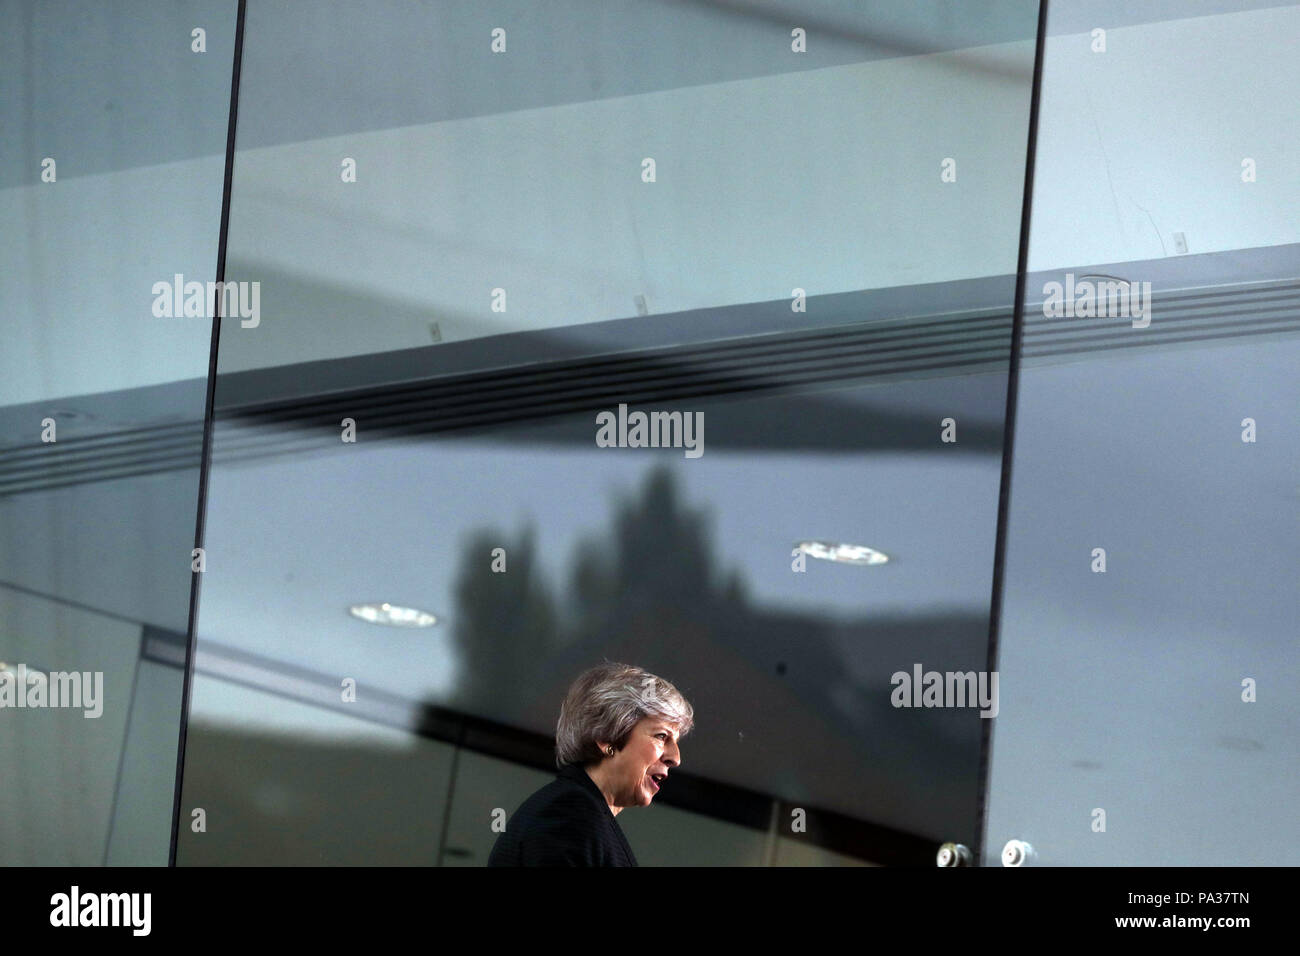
{"points": [[606, 702]]}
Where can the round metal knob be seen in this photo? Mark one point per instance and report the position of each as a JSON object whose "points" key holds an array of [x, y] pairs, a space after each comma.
{"points": [[953, 854], [1016, 853]]}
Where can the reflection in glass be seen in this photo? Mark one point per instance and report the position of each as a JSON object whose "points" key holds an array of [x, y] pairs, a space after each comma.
{"points": [[462, 266]]}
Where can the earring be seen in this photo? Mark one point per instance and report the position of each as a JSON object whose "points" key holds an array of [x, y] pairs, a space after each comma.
{"points": [[610, 751]]}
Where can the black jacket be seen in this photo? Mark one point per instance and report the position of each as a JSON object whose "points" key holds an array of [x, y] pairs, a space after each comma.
{"points": [[565, 823]]}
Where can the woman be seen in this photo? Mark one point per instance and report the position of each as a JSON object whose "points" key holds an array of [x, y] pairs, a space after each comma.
{"points": [[615, 743]]}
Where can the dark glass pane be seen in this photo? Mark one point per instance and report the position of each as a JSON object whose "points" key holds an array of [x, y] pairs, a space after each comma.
{"points": [[821, 268]]}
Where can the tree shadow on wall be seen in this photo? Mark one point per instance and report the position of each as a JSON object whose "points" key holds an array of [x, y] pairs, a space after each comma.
{"points": [[655, 569], [649, 592], [773, 688]]}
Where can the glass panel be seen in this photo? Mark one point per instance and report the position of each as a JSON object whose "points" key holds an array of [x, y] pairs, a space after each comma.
{"points": [[275, 767], [1151, 561], [111, 174], [58, 807], [802, 273], [146, 787]]}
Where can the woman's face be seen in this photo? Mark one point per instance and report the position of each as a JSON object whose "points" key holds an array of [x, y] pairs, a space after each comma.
{"points": [[650, 752]]}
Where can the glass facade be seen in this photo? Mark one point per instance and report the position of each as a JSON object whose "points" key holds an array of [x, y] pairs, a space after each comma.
{"points": [[111, 171], [1150, 567], [607, 330]]}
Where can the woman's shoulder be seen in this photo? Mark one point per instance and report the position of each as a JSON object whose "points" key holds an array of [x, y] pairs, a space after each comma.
{"points": [[564, 794], [560, 824]]}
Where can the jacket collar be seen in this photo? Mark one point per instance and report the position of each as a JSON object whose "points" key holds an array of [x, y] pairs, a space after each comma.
{"points": [[578, 773]]}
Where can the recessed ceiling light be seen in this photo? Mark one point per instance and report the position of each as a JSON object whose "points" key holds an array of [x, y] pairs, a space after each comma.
{"points": [[393, 615], [843, 553]]}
